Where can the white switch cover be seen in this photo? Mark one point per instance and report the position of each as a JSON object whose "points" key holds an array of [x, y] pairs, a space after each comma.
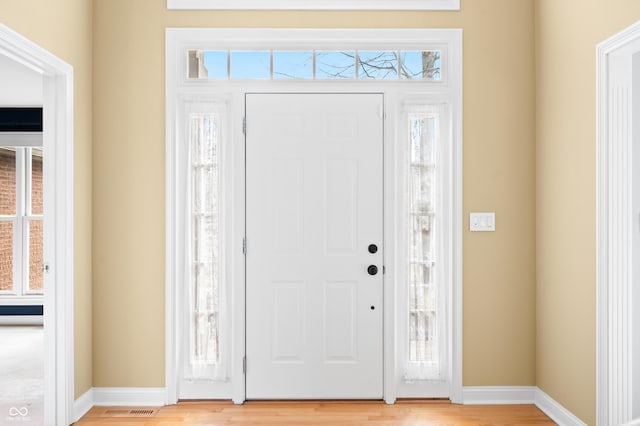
{"points": [[482, 222]]}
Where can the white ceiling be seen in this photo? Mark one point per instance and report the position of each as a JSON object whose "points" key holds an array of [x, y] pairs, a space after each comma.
{"points": [[19, 85]]}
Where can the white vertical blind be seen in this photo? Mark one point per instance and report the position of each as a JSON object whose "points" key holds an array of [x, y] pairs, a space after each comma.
{"points": [[203, 294], [425, 316]]}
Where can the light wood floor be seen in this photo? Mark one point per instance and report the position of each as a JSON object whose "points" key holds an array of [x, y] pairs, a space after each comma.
{"points": [[326, 413]]}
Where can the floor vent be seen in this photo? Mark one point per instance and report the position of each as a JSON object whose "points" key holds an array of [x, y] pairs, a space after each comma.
{"points": [[131, 412]]}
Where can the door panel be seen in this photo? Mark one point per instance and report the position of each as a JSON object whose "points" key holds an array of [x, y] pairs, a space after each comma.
{"points": [[314, 204], [340, 332], [341, 191]]}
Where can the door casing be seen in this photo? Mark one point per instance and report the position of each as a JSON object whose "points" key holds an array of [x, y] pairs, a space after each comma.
{"points": [[618, 235], [58, 221], [397, 95]]}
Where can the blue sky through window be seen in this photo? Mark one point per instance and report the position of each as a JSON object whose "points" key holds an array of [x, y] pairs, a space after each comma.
{"points": [[328, 65], [412, 66], [293, 65], [335, 65], [216, 64], [254, 65], [377, 65]]}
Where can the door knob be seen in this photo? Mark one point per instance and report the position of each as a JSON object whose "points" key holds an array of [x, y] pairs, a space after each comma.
{"points": [[372, 269], [373, 248]]}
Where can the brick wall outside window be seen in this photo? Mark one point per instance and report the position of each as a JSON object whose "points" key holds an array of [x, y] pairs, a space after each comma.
{"points": [[7, 203], [36, 251]]}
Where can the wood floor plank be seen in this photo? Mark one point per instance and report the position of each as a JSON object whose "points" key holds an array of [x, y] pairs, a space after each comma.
{"points": [[327, 413]]}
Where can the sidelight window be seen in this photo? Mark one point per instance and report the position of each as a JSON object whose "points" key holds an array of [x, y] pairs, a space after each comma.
{"points": [[203, 360], [425, 316]]}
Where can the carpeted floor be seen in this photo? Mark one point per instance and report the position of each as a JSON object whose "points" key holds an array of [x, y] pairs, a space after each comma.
{"points": [[21, 375]]}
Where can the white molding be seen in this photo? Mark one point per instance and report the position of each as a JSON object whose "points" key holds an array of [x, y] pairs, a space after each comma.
{"points": [[21, 139], [114, 397], [58, 244], [303, 38], [456, 77], [171, 253], [614, 205], [501, 395], [107, 397], [315, 4], [492, 395], [553, 409], [21, 300], [178, 40], [82, 405], [21, 320], [473, 395]]}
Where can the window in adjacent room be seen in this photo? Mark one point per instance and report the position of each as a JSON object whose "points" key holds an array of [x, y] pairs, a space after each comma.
{"points": [[21, 221]]}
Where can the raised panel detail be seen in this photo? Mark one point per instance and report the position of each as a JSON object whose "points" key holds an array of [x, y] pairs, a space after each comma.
{"points": [[340, 321], [342, 127], [287, 193], [288, 128], [341, 195], [288, 322]]}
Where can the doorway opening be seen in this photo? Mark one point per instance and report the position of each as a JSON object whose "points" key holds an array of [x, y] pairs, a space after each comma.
{"points": [[57, 221]]}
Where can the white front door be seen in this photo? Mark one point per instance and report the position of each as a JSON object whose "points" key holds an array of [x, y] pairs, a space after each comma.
{"points": [[314, 179]]}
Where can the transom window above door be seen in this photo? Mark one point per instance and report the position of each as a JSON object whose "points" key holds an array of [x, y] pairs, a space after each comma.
{"points": [[316, 65], [316, 4]]}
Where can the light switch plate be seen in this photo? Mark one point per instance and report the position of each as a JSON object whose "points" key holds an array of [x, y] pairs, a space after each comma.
{"points": [[482, 222]]}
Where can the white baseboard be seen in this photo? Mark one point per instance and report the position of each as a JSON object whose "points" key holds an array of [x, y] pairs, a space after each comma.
{"points": [[492, 395], [21, 320], [82, 405], [557, 412], [129, 396], [480, 395]]}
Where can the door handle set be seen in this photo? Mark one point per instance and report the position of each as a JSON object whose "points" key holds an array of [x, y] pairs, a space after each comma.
{"points": [[372, 269]]}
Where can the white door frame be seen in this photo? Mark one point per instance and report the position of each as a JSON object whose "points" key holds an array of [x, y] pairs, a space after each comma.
{"points": [[616, 224], [58, 203], [178, 86]]}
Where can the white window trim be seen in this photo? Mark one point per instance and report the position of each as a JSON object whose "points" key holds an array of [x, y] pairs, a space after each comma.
{"points": [[20, 220], [356, 63], [315, 4], [178, 42], [444, 226], [218, 388]]}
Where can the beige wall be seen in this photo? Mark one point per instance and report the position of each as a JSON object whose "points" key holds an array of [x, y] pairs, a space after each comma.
{"points": [[504, 343], [128, 179], [567, 33], [64, 27]]}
